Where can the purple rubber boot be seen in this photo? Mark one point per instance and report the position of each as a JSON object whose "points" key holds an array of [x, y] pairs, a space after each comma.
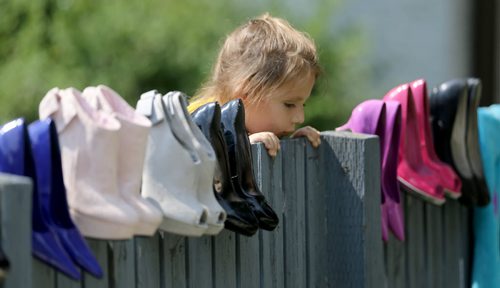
{"points": [[392, 212], [369, 118]]}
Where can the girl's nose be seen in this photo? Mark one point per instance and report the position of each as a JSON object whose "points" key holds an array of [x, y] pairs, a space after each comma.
{"points": [[298, 117]]}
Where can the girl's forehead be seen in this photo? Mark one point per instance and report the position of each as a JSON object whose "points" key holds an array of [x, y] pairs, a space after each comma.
{"points": [[297, 89]]}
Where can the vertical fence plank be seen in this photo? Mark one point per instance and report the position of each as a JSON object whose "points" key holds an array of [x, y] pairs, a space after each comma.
{"points": [[269, 176], [147, 261], [224, 256], [99, 249], [396, 261], [200, 261], [123, 268], [43, 274], [396, 253], [263, 170], [434, 234], [452, 244], [15, 198], [316, 219], [466, 239], [248, 251], [294, 218], [174, 260], [66, 282], [352, 184], [247, 261], [415, 242]]}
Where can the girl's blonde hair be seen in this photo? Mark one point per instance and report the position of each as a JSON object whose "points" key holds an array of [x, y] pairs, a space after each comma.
{"points": [[259, 57]]}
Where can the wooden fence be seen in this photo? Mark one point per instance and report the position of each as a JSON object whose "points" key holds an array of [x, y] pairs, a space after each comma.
{"points": [[328, 201]]}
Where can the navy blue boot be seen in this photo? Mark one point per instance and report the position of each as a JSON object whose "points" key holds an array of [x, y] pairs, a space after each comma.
{"points": [[16, 158], [54, 206]]}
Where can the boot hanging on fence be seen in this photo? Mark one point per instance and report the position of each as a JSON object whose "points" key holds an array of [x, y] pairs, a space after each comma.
{"points": [[53, 203], [240, 217], [472, 140], [205, 171], [371, 117], [449, 106], [452, 184], [486, 262], [89, 152], [169, 179], [16, 158], [132, 140], [413, 172], [240, 162]]}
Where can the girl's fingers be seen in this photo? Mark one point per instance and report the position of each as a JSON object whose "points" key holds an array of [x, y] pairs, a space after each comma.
{"points": [[311, 133]]}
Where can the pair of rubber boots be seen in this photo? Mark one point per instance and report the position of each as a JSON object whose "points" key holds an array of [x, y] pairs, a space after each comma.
{"points": [[486, 220], [376, 117], [453, 106], [234, 182], [420, 171], [179, 167], [103, 142], [34, 152]]}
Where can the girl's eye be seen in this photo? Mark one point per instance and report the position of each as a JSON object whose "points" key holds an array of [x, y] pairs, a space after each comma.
{"points": [[289, 105]]}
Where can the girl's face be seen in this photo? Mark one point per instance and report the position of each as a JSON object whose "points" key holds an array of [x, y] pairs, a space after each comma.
{"points": [[280, 110]]}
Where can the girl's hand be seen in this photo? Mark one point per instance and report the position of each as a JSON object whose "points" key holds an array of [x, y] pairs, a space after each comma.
{"points": [[311, 134], [271, 142]]}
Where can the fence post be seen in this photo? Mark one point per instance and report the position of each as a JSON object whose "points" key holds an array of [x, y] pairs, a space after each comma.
{"points": [[15, 213], [352, 184]]}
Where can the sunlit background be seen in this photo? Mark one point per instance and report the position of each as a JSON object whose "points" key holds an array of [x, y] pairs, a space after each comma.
{"points": [[366, 47]]}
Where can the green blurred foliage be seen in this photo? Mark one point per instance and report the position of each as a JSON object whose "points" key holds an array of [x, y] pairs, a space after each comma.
{"points": [[137, 45]]}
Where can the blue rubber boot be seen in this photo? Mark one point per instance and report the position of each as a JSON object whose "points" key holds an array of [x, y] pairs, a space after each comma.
{"points": [[16, 158], [486, 263], [54, 207]]}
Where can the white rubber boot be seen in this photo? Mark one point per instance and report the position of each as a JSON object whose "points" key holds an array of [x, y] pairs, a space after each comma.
{"points": [[170, 178], [133, 136], [196, 140], [89, 141]]}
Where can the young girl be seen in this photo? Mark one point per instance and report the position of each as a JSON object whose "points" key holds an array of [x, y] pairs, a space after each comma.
{"points": [[272, 67]]}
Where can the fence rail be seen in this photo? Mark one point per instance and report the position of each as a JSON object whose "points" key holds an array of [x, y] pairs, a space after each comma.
{"points": [[328, 201]]}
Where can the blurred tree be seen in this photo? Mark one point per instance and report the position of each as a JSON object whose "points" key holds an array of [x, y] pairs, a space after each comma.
{"points": [[137, 45]]}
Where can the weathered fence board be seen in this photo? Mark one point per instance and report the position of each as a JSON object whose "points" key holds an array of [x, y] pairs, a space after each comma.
{"points": [[294, 217], [329, 235], [147, 263], [173, 260], [123, 259], [66, 282], [415, 246], [316, 206], [225, 259], [434, 245], [269, 177], [451, 228], [200, 262], [352, 181], [100, 250], [15, 205], [42, 274]]}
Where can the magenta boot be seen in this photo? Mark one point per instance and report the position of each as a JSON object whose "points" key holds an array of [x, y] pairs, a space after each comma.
{"points": [[413, 174], [449, 180]]}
